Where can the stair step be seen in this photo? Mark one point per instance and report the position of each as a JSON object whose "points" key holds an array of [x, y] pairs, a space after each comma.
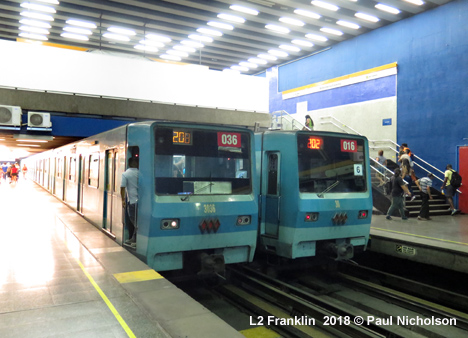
{"points": [[432, 213]]}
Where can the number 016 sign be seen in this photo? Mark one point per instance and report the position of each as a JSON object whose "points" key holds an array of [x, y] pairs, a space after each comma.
{"points": [[349, 146], [229, 139]]}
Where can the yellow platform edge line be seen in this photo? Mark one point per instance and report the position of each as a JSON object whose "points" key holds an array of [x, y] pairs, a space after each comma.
{"points": [[137, 276], [421, 236], [260, 332], [341, 78]]}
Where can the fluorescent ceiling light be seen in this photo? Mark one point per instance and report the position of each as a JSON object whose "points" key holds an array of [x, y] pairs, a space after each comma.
{"points": [[36, 30], [316, 37], [230, 17], [279, 53], [120, 30], [415, 2], [366, 17], [187, 49], [244, 9], [209, 31], [146, 48], [170, 57], [248, 64], [240, 68], [220, 25], [290, 48], [52, 2], [231, 71], [267, 57], [347, 24], [291, 21], [33, 36], [192, 43], [278, 29], [331, 31], [35, 23], [307, 13], [116, 37], [197, 37], [81, 23], [325, 5], [75, 36], [302, 43], [387, 9], [38, 16], [177, 52], [151, 43], [33, 140], [258, 60], [158, 37], [40, 8], [77, 30], [28, 145]]}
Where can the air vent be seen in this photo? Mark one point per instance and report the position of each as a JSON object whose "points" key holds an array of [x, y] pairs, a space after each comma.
{"points": [[10, 115], [39, 120]]}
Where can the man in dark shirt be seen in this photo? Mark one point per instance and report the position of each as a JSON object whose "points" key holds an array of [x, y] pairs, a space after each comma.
{"points": [[398, 189]]}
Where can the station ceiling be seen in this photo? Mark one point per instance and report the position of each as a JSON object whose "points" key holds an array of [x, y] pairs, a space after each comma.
{"points": [[309, 26]]}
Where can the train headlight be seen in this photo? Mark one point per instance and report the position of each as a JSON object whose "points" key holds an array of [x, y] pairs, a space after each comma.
{"points": [[243, 220], [363, 214], [170, 224], [311, 217]]}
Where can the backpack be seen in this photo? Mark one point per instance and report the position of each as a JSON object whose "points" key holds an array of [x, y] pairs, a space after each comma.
{"points": [[456, 180]]}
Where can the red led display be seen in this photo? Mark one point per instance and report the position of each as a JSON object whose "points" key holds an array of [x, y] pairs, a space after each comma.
{"points": [[315, 142]]}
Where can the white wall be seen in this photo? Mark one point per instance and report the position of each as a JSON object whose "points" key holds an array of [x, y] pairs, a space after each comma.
{"points": [[36, 67]]}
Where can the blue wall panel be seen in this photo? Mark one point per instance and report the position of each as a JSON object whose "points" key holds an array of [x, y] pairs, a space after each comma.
{"points": [[431, 50], [82, 127]]}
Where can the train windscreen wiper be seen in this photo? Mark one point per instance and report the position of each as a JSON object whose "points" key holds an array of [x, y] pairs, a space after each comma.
{"points": [[320, 195]]}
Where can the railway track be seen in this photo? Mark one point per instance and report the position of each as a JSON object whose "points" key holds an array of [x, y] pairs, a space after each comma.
{"points": [[342, 305]]}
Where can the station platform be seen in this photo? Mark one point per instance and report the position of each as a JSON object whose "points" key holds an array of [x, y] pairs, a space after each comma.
{"points": [[442, 241], [62, 277]]}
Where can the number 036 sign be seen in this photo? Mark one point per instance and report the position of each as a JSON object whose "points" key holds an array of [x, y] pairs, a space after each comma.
{"points": [[229, 139]]}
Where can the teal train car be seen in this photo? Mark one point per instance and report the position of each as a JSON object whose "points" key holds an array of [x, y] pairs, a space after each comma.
{"points": [[197, 196], [315, 193]]}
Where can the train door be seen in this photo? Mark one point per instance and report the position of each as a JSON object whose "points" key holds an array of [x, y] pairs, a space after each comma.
{"points": [[463, 171], [109, 188], [46, 174], [64, 178], [273, 195], [80, 184]]}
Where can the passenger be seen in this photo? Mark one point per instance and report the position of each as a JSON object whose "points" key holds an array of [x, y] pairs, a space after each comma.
{"points": [[381, 168], [450, 191], [398, 189], [425, 185], [129, 191], [4, 170], [407, 171], [25, 171], [309, 123], [14, 173]]}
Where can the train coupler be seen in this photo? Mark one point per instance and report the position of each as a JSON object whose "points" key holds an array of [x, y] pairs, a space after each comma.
{"points": [[343, 251], [211, 264]]}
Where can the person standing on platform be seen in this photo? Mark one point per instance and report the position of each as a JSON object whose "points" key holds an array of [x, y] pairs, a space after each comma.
{"points": [[309, 123], [450, 191], [382, 160], [398, 189], [24, 170], [4, 170], [425, 185], [129, 192]]}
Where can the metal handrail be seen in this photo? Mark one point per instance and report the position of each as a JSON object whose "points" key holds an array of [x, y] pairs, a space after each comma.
{"points": [[292, 118]]}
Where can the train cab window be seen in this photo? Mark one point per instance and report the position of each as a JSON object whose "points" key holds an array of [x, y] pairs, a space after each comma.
{"points": [[201, 162], [93, 170], [331, 163]]}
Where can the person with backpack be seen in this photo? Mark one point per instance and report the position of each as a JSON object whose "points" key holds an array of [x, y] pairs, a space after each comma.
{"points": [[451, 183]]}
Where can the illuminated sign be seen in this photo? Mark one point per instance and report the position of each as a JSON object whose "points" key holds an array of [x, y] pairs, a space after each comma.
{"points": [[182, 137], [315, 142], [229, 139], [349, 146]]}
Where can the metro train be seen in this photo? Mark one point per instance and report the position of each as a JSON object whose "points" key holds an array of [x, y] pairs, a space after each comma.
{"points": [[211, 195]]}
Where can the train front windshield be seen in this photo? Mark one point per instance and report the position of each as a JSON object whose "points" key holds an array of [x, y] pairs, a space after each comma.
{"points": [[331, 164], [201, 162]]}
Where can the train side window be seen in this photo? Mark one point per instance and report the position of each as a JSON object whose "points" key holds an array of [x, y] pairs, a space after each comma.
{"points": [[59, 167], [93, 172], [72, 169]]}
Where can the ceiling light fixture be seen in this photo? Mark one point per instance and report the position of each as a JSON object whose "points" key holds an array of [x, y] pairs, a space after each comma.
{"points": [[192, 43], [32, 140], [415, 2], [170, 57], [291, 21], [177, 52], [40, 8], [240, 68], [309, 14], [267, 57], [122, 31], [187, 49], [151, 43], [74, 36], [278, 29], [35, 23], [77, 30], [81, 23], [146, 48], [331, 31], [316, 37], [243, 9], [325, 5], [366, 17], [258, 60], [348, 24], [158, 37], [248, 64], [36, 30], [33, 36], [38, 16], [230, 17], [28, 145], [387, 9], [302, 43], [279, 53], [118, 37], [231, 71], [220, 25], [203, 38], [209, 31], [52, 2], [290, 48]]}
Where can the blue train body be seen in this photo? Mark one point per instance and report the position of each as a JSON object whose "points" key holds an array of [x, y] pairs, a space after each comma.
{"points": [[315, 190]]}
